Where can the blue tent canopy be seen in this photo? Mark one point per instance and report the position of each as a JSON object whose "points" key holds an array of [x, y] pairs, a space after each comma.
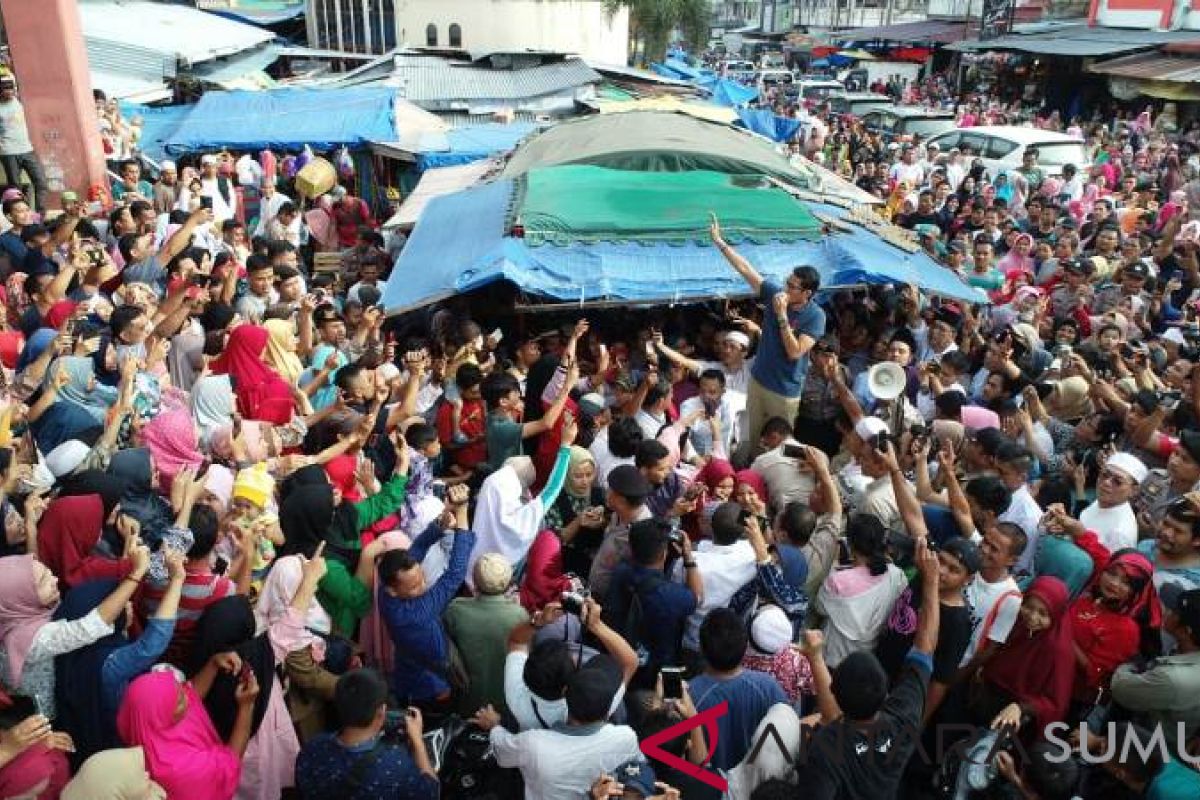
{"points": [[287, 119], [158, 126], [474, 143], [461, 243], [731, 93], [763, 122]]}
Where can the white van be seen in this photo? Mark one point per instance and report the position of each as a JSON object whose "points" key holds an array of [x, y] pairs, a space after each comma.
{"points": [[1002, 147]]}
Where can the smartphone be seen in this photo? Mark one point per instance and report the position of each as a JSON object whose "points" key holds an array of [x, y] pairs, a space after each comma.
{"points": [[245, 673], [672, 679], [743, 518], [693, 491], [496, 335], [206, 202], [793, 451], [438, 489], [881, 442]]}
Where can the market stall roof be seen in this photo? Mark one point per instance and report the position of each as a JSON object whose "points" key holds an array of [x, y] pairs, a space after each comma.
{"points": [[922, 31], [428, 79], [462, 243], [1152, 67], [228, 72], [435, 183], [471, 143], [174, 31], [1076, 39], [701, 109], [255, 12], [663, 141], [288, 119]]}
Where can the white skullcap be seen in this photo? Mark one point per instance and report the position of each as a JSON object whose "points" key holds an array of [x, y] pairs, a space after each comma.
{"points": [[63, 459], [868, 428], [493, 573], [1173, 335], [1129, 464], [167, 165], [771, 630], [206, 160]]}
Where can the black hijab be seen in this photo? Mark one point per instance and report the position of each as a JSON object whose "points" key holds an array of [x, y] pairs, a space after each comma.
{"points": [[94, 481], [77, 685], [228, 625]]}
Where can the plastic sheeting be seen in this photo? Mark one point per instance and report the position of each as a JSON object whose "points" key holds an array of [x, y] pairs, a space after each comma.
{"points": [[732, 93], [461, 244], [655, 207], [288, 119], [473, 143], [159, 124], [765, 123]]}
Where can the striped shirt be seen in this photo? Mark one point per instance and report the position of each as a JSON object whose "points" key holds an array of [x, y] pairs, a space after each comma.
{"points": [[201, 588]]}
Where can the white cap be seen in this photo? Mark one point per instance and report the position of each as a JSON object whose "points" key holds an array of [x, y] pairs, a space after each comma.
{"points": [[207, 160], [63, 460], [770, 630], [737, 337], [1173, 335], [1130, 465], [167, 166], [868, 428]]}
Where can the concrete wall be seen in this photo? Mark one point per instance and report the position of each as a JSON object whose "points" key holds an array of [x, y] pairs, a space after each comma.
{"points": [[576, 26], [1147, 14]]}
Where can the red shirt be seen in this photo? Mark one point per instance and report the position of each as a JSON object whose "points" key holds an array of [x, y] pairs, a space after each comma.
{"points": [[201, 588], [472, 424]]}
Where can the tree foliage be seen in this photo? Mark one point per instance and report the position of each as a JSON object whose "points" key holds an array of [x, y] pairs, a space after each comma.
{"points": [[654, 21]]}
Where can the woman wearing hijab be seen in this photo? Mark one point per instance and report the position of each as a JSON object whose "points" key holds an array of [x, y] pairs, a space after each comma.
{"points": [[81, 388], [571, 516], [114, 775], [171, 439], [719, 480], [284, 601], [261, 393], [228, 625], [281, 349], [94, 481], [35, 770], [165, 716], [750, 492], [260, 440], [30, 639], [67, 537], [1030, 676], [213, 405], [140, 500], [90, 681], [1112, 617]]}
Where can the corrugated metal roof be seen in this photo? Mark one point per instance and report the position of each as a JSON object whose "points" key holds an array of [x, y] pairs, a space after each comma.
{"points": [[922, 31], [1079, 40], [183, 33], [229, 69], [131, 88], [430, 79], [465, 119], [1152, 67]]}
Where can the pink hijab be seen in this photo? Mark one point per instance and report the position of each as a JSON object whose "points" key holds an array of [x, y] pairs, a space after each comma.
{"points": [[171, 439], [186, 758], [253, 435], [544, 581], [375, 639], [22, 614], [275, 600]]}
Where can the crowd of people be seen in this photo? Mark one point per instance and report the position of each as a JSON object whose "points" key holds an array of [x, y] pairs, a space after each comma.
{"points": [[262, 542]]}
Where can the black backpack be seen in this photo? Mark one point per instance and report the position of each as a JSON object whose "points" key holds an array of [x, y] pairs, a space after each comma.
{"points": [[470, 771]]}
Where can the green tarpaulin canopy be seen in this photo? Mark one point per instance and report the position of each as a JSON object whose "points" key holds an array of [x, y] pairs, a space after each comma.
{"points": [[620, 205]]}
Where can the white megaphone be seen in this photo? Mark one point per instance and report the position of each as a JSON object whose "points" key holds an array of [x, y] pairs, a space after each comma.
{"points": [[886, 381]]}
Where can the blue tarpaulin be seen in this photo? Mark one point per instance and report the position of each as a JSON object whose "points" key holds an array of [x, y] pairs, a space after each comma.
{"points": [[158, 126], [288, 119], [475, 142], [731, 93], [765, 123], [461, 243]]}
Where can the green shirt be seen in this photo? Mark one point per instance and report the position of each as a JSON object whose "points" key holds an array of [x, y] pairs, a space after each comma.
{"points": [[503, 438], [480, 627], [342, 595]]}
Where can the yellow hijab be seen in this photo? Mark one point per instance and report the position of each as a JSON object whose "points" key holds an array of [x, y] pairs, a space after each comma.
{"points": [[281, 357]]}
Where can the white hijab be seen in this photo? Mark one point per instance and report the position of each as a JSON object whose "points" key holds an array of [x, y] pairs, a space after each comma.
{"points": [[276, 597], [505, 522], [769, 763]]}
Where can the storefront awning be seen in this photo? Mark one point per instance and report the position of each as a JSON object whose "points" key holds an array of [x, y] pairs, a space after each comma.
{"points": [[1168, 77], [1077, 40], [923, 31]]}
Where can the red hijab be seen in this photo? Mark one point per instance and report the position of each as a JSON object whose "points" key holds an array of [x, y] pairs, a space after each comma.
{"points": [[755, 482], [544, 580], [1143, 606], [261, 394], [68, 532], [342, 472], [715, 471], [59, 313], [1037, 670]]}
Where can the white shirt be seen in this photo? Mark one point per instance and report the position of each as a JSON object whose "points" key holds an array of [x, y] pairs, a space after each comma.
{"points": [[1024, 512], [723, 570], [221, 210], [564, 763], [606, 462], [785, 482], [981, 596], [879, 500], [650, 425], [1115, 527], [737, 380], [912, 173], [14, 134], [701, 438]]}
